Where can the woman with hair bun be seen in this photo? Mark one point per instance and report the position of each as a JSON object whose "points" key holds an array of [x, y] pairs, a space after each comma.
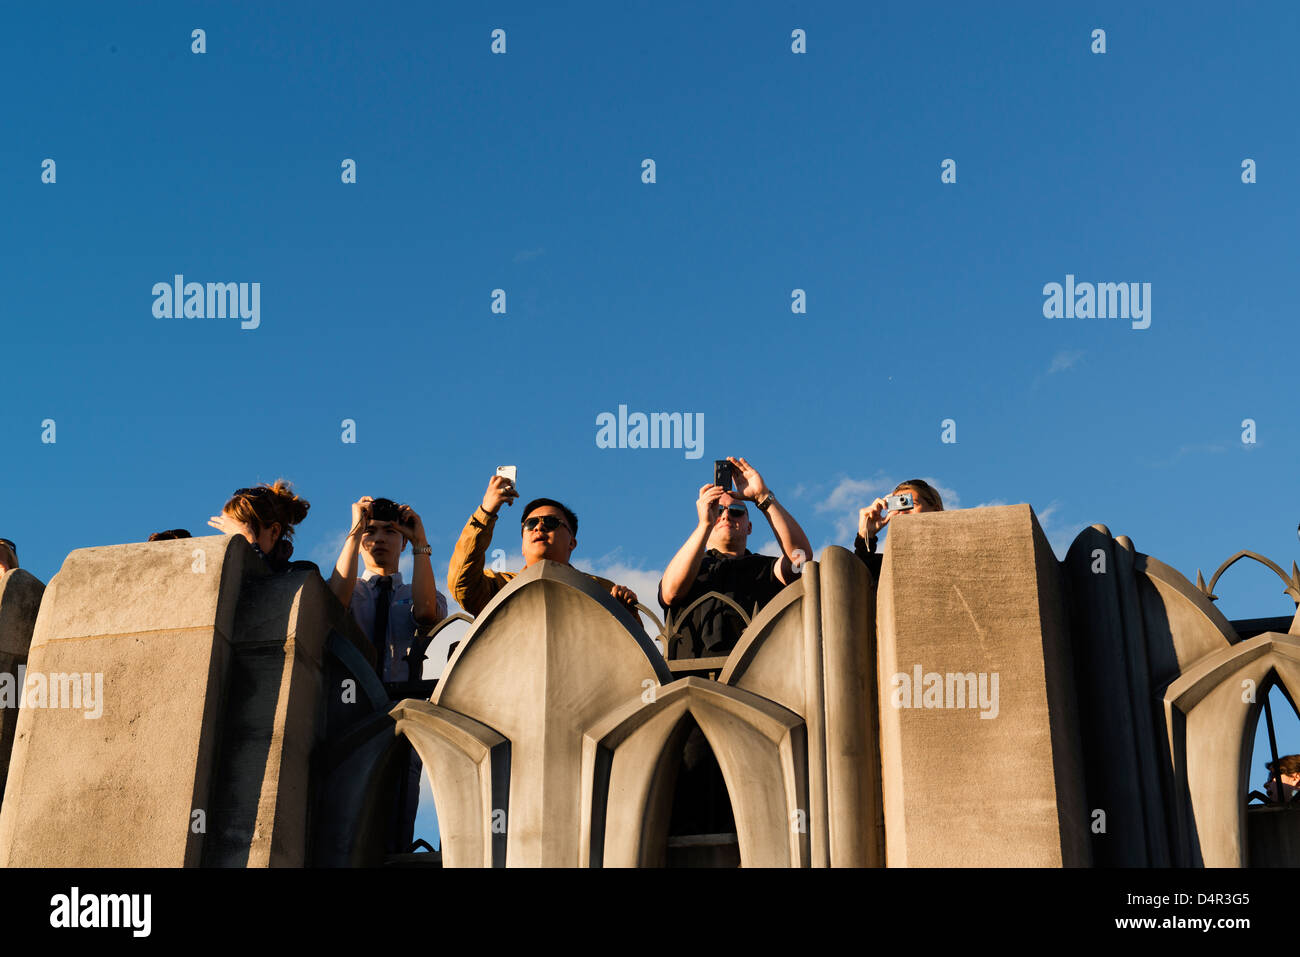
{"points": [[265, 516]]}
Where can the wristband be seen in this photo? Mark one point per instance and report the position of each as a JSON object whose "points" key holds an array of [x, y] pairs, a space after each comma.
{"points": [[422, 550]]}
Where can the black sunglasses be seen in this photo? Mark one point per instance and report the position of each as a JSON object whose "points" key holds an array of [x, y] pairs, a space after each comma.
{"points": [[737, 511], [549, 523]]}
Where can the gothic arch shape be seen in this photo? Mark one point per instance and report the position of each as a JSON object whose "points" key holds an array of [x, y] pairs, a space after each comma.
{"points": [[549, 657], [760, 746], [1210, 715], [469, 770]]}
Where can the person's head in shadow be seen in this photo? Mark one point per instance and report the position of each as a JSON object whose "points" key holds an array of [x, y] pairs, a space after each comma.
{"points": [[1286, 772], [169, 535], [266, 516], [8, 556]]}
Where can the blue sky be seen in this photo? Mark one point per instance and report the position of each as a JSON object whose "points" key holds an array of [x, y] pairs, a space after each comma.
{"points": [[774, 171]]}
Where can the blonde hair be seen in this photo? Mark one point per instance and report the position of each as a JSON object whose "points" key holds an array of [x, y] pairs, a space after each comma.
{"points": [[267, 505]]}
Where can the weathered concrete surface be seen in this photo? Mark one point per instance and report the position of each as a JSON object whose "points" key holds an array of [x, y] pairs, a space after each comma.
{"points": [[548, 658], [155, 621], [855, 811], [211, 707], [977, 592], [20, 600], [271, 722]]}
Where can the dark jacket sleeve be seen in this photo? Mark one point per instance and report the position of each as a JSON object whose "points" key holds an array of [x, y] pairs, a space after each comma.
{"points": [[870, 557]]}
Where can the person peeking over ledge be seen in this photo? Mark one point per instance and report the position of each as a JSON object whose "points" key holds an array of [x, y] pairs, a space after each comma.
{"points": [[550, 531], [170, 535], [8, 556], [873, 518], [266, 517], [715, 558]]}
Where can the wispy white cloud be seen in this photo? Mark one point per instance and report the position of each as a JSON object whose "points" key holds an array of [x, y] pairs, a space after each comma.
{"points": [[325, 552], [1202, 448], [1065, 359]]}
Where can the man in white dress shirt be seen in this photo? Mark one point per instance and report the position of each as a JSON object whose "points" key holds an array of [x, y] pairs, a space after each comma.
{"points": [[388, 610]]}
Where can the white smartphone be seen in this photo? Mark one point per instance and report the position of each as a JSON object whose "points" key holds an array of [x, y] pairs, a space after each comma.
{"points": [[507, 472]]}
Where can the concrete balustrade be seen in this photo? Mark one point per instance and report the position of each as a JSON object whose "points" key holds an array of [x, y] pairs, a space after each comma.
{"points": [[983, 704]]}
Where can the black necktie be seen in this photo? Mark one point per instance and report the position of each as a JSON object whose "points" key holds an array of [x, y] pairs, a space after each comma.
{"points": [[380, 636]]}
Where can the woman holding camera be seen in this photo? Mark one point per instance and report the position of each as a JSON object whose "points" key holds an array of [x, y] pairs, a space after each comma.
{"points": [[914, 495]]}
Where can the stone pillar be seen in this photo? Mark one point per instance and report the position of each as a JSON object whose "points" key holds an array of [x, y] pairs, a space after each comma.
{"points": [[203, 674], [272, 721], [970, 606]]}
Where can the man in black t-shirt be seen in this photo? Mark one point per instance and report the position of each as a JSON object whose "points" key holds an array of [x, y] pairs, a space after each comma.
{"points": [[714, 558]]}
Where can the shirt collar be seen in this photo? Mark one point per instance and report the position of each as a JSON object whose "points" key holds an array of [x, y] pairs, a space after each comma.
{"points": [[720, 555], [396, 576]]}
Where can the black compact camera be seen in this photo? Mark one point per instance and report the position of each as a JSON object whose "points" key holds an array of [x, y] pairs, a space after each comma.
{"points": [[385, 510], [722, 473]]}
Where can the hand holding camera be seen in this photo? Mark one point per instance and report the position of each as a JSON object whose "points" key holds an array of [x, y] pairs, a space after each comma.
{"points": [[500, 491], [706, 506], [360, 515], [402, 517], [411, 526], [872, 519]]}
